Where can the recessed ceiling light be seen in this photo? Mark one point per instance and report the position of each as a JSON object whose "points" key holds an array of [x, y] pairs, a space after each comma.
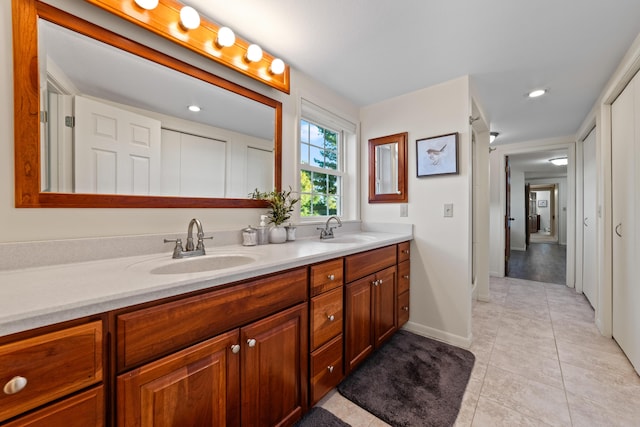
{"points": [[536, 93], [560, 161], [493, 136], [194, 108]]}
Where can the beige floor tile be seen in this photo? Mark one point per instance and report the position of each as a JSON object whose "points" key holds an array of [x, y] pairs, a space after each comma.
{"points": [[542, 369], [467, 410], [585, 412], [492, 414], [346, 410], [527, 325], [589, 358], [528, 397], [619, 393], [532, 344]]}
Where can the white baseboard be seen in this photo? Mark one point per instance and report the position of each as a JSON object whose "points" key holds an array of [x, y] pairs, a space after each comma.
{"points": [[484, 297], [436, 334]]}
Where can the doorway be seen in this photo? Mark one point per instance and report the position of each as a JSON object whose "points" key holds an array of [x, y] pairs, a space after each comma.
{"points": [[542, 215]]}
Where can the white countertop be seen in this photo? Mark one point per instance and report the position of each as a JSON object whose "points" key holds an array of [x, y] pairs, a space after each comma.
{"points": [[34, 297]]}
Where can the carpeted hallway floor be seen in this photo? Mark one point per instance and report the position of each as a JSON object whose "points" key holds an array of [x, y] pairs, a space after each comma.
{"points": [[541, 262]]}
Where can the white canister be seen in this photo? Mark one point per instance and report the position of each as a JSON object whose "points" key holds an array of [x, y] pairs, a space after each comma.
{"points": [[291, 233], [249, 236]]}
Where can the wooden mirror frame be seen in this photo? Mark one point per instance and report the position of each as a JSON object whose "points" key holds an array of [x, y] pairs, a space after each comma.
{"points": [[27, 116], [401, 196]]}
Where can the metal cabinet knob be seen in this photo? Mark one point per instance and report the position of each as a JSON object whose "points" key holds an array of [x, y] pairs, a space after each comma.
{"points": [[380, 282], [14, 385], [405, 308], [331, 277], [375, 282], [406, 251], [331, 317], [330, 369], [251, 342], [406, 276], [235, 349]]}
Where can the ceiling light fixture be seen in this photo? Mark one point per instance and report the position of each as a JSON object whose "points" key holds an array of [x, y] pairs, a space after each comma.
{"points": [[536, 93], [194, 108], [277, 66], [147, 4], [189, 18], [254, 53], [493, 136], [560, 161], [226, 38]]}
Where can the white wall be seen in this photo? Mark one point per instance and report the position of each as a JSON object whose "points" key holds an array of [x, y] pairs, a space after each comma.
{"points": [[441, 250], [19, 225]]}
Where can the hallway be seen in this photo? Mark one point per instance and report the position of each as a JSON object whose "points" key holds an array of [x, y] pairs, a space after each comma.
{"points": [[541, 361], [541, 262]]}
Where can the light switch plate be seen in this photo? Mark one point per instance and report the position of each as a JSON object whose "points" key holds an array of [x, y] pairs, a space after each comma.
{"points": [[448, 210], [404, 209]]}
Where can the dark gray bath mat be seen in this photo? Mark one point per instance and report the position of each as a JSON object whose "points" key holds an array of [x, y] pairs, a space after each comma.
{"points": [[319, 417], [411, 381]]}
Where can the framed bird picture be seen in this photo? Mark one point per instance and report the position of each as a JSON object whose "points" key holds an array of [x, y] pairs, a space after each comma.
{"points": [[437, 155]]}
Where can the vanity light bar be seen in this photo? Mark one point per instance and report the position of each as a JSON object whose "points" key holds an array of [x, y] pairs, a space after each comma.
{"points": [[207, 38]]}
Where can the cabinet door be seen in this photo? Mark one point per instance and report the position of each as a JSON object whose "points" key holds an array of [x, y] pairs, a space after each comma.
{"points": [[275, 354], [359, 321], [385, 320], [198, 386]]}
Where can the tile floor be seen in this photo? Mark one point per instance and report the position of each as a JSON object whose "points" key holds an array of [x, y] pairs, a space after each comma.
{"points": [[542, 262], [539, 361]]}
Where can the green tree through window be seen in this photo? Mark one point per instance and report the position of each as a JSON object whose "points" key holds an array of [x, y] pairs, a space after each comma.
{"points": [[320, 171]]}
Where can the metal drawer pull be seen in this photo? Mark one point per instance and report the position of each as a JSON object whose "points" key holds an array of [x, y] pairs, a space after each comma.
{"points": [[405, 308], [330, 368], [235, 349], [331, 317], [14, 385], [406, 276], [331, 277], [406, 251], [618, 230], [251, 342]]}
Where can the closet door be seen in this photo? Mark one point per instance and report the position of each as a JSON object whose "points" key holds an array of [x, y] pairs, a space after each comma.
{"points": [[625, 136], [589, 271]]}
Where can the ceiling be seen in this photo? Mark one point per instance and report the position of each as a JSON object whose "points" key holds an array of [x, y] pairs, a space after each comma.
{"points": [[372, 50], [537, 164]]}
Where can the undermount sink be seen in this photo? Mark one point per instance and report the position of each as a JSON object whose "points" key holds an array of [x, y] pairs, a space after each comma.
{"points": [[202, 264], [353, 238]]}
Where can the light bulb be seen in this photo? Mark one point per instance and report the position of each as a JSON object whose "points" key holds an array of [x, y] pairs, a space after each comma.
{"points": [[254, 53], [277, 66], [189, 18], [147, 4], [226, 37]]}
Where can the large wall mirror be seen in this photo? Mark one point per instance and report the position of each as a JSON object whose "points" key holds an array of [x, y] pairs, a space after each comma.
{"points": [[102, 121], [388, 169]]}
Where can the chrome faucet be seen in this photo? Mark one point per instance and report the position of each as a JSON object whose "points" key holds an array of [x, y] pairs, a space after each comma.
{"points": [[327, 232], [189, 251]]}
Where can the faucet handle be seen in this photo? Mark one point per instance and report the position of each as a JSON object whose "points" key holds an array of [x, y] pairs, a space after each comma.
{"points": [[177, 250], [201, 243]]}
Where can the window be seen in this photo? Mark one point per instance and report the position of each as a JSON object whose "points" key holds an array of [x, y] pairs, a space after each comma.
{"points": [[320, 170], [328, 164]]}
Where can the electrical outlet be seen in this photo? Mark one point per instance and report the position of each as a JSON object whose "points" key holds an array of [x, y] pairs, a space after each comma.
{"points": [[448, 210], [404, 209]]}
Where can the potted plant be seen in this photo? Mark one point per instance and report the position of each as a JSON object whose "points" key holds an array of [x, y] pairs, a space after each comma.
{"points": [[281, 204]]}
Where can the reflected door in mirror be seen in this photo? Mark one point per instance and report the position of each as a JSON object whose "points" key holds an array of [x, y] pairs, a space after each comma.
{"points": [[388, 169]]}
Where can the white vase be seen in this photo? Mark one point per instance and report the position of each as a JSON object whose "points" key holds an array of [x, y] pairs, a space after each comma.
{"points": [[277, 234]]}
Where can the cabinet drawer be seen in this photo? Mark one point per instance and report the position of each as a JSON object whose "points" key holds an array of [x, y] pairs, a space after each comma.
{"points": [[326, 369], [157, 331], [404, 269], [365, 263], [82, 410], [326, 317], [53, 364], [326, 276], [403, 308], [403, 251]]}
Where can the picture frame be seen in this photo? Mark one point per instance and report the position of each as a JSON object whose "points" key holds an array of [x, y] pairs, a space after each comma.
{"points": [[542, 203], [437, 155]]}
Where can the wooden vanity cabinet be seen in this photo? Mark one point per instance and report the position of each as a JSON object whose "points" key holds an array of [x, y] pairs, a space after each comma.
{"points": [[249, 370], [51, 366], [370, 302], [326, 327]]}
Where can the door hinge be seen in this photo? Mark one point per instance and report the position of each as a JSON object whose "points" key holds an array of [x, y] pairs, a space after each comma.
{"points": [[69, 121], [44, 118]]}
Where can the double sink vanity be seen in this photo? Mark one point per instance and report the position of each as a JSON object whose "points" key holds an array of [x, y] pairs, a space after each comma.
{"points": [[250, 336]]}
